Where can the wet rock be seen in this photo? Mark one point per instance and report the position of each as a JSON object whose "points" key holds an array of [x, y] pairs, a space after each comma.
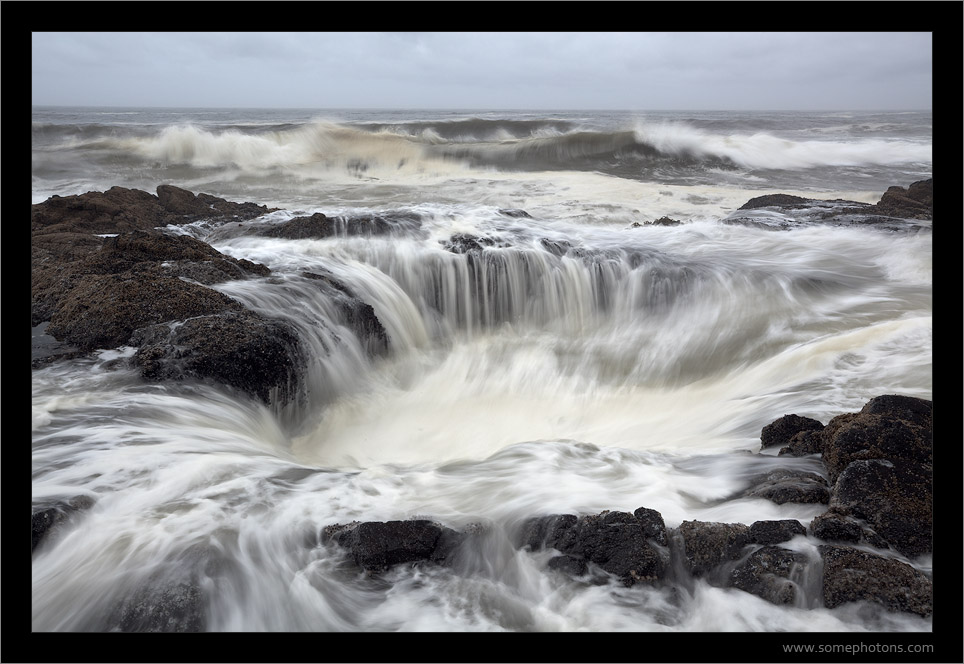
{"points": [[119, 210], [837, 526], [707, 545], [103, 311], [776, 200], [464, 243], [768, 572], [894, 498], [787, 485], [359, 316], [851, 575], [376, 546], [781, 431], [167, 608], [914, 202], [631, 547], [877, 435], [319, 226], [515, 213], [803, 443], [774, 532], [44, 520], [259, 356]]}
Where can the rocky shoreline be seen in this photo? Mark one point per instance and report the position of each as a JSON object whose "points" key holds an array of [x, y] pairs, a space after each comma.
{"points": [[106, 271]]}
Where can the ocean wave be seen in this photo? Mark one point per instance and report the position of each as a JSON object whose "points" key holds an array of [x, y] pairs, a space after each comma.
{"points": [[542, 144]]}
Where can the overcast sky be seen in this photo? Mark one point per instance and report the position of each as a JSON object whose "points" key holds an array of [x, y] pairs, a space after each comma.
{"points": [[515, 70]]}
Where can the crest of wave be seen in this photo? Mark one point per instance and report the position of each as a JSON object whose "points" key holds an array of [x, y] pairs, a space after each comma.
{"points": [[765, 151], [320, 144]]}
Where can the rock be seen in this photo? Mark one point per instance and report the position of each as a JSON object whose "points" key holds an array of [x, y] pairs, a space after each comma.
{"points": [[803, 443], [167, 608], [774, 532], [464, 243], [103, 311], [707, 545], [834, 526], [119, 210], [628, 546], [769, 572], [781, 431], [893, 435], [665, 221], [895, 498], [319, 226], [376, 546], [851, 575], [45, 520], [259, 356], [359, 316], [914, 202], [897, 210], [777, 200], [786, 485], [515, 213]]}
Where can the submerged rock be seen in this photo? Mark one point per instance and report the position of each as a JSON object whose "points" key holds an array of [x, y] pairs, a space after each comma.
{"points": [[897, 210], [788, 485], [851, 575], [376, 546], [769, 573], [631, 547], [44, 520]]}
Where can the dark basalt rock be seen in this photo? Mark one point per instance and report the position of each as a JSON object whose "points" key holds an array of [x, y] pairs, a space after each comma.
{"points": [[628, 546], [835, 526], [787, 485], [465, 243], [164, 608], [319, 226], [895, 498], [376, 546], [119, 210], [261, 357], [707, 545], [862, 436], [776, 200], [358, 315], [803, 443], [103, 311], [45, 520], [774, 532], [851, 575], [897, 210], [781, 431], [769, 572]]}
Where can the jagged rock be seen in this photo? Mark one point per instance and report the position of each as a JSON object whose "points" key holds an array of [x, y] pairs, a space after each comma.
{"points": [[259, 356], [358, 315], [103, 311], [45, 520], [168, 608], [768, 572], [786, 485], [706, 545], [464, 243], [774, 532], [803, 443], [914, 202], [895, 498], [778, 200], [119, 210], [837, 526], [899, 433], [781, 431], [319, 226], [628, 546], [377, 545], [851, 575]]}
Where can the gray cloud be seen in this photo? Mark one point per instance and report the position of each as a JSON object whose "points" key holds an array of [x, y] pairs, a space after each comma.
{"points": [[645, 71]]}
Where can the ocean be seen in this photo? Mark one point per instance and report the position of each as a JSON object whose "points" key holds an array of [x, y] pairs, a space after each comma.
{"points": [[636, 370]]}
